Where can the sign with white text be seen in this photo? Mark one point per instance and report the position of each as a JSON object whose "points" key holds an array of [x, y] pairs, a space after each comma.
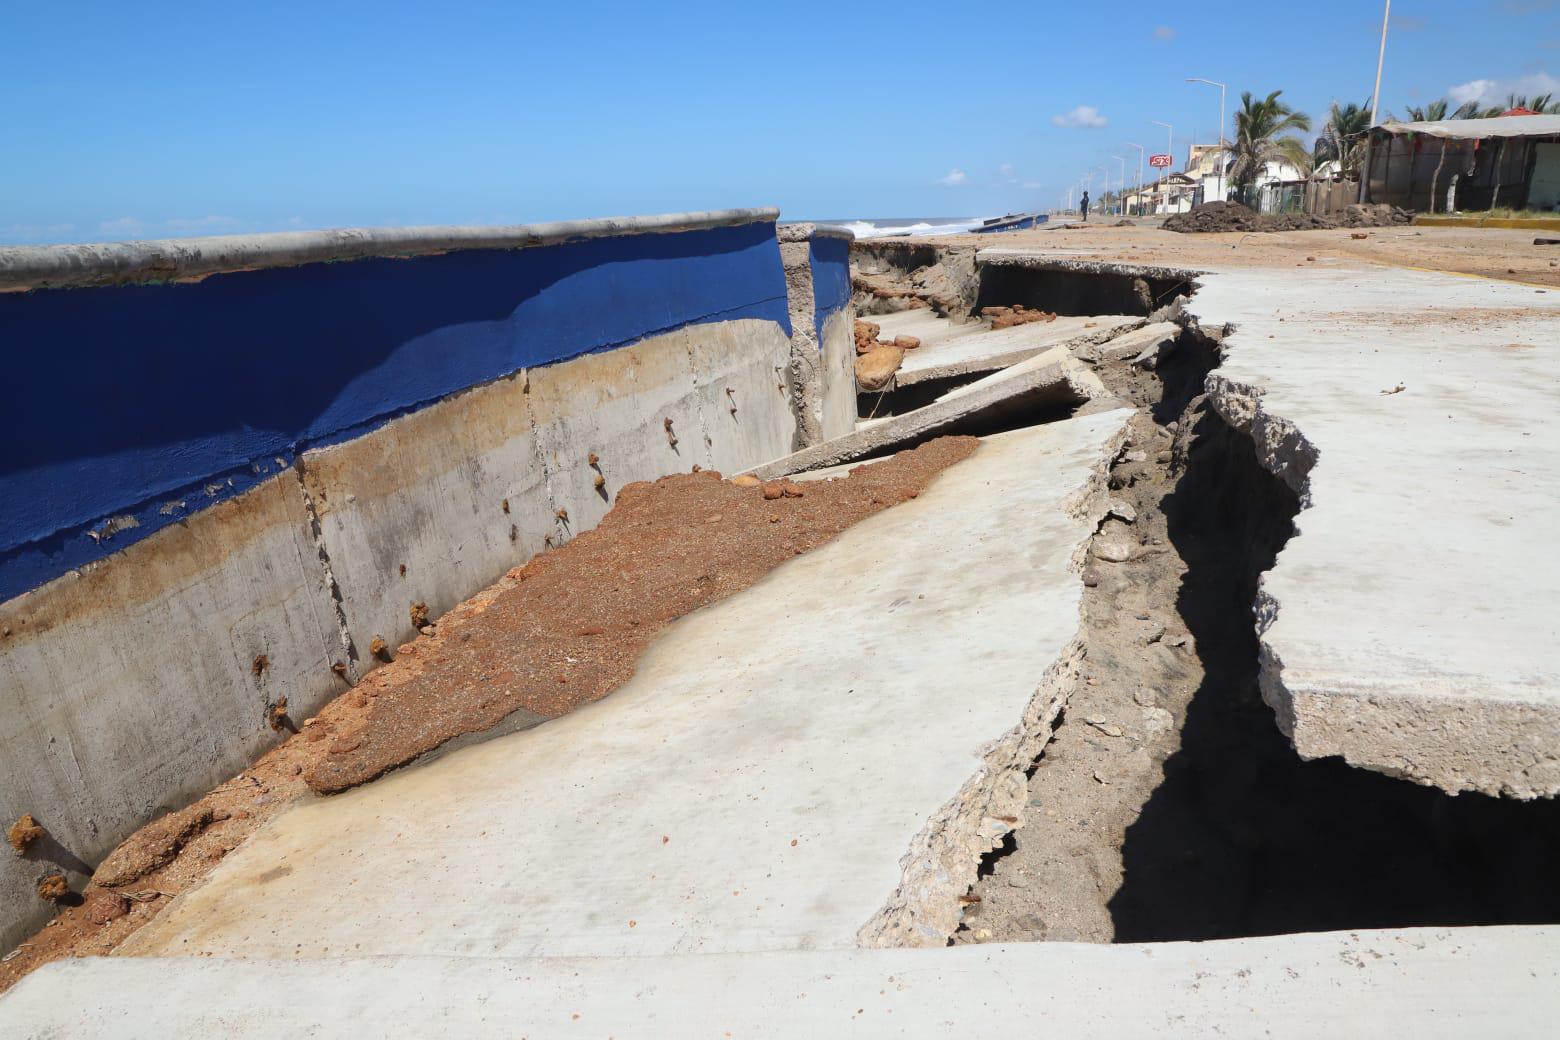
{"points": [[1159, 161]]}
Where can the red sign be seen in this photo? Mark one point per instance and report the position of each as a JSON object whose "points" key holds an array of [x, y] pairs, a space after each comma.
{"points": [[1158, 161]]}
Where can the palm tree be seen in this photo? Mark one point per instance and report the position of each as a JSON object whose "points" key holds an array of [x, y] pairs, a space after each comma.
{"points": [[1472, 110], [1542, 103], [1260, 128], [1434, 112], [1343, 138]]}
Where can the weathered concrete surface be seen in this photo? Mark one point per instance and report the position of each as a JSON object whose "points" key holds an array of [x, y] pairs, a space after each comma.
{"points": [[429, 508], [1421, 982], [768, 780], [739, 375], [839, 374], [964, 349], [98, 734], [117, 263], [1050, 379], [1132, 344], [1411, 623]]}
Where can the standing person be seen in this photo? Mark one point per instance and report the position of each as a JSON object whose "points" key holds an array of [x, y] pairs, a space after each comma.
{"points": [[1084, 205]]}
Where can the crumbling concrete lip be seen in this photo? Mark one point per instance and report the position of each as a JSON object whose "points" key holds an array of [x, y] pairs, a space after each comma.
{"points": [[1408, 627]]}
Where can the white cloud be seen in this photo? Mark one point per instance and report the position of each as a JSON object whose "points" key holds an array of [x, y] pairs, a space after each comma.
{"points": [[1084, 116], [1494, 91], [1164, 32], [955, 178], [1007, 173], [1032, 185]]}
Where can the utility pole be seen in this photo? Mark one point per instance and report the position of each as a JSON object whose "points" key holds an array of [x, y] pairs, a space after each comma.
{"points": [[1381, 56], [1169, 150], [1121, 184], [1216, 83]]}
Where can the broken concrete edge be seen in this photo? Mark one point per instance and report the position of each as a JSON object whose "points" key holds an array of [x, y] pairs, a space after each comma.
{"points": [[997, 362], [806, 231], [1064, 373], [944, 857], [1416, 734], [162, 260], [998, 257]]}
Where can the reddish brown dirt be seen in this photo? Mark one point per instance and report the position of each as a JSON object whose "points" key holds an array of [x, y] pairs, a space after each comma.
{"points": [[562, 631]]}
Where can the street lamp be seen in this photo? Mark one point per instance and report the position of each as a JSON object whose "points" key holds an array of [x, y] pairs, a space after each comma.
{"points": [[1169, 150], [1381, 56], [1216, 83], [1121, 183]]}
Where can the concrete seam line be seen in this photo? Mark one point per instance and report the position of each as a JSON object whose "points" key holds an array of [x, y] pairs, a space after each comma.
{"points": [[114, 263]]}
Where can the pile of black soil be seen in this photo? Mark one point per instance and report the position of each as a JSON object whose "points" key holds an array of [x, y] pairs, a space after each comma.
{"points": [[1232, 216]]}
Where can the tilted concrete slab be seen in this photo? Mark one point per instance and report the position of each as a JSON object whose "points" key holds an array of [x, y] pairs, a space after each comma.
{"points": [[819, 761], [1132, 344], [1410, 625], [1054, 378], [1423, 982], [989, 350], [926, 325]]}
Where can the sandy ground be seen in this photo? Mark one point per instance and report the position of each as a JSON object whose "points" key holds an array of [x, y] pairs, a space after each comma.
{"points": [[1487, 252]]}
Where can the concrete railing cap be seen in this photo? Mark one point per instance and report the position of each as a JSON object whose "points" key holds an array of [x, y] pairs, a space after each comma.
{"points": [[118, 263]]}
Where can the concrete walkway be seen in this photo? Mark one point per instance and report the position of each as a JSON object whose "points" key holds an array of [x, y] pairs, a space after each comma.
{"points": [[953, 349], [1425, 983], [814, 763], [1412, 625]]}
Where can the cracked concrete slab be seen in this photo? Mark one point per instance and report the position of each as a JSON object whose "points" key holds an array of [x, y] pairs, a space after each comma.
{"points": [[1051, 379], [1410, 625], [787, 770], [1424, 982], [951, 349]]}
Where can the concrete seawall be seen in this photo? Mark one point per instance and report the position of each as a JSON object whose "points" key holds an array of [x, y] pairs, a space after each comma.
{"points": [[247, 459]]}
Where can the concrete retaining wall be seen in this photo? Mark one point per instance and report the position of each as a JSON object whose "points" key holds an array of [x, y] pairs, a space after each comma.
{"points": [[280, 460], [823, 350]]}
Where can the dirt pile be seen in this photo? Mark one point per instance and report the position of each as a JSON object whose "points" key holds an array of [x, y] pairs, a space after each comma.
{"points": [[1232, 216]]}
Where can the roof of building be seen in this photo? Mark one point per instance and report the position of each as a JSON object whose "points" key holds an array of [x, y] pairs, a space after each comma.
{"points": [[1473, 129]]}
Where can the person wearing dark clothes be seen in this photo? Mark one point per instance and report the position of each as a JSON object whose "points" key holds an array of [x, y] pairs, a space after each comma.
{"points": [[1084, 205]]}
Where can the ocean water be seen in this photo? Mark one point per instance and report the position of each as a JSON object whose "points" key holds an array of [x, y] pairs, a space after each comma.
{"points": [[878, 227]]}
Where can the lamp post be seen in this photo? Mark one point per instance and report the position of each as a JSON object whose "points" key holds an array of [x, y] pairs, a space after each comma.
{"points": [[1221, 86], [1141, 151], [1169, 150], [1121, 183], [1381, 56]]}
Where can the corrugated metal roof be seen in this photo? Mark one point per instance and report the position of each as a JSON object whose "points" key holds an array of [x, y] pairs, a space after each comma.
{"points": [[1472, 129]]}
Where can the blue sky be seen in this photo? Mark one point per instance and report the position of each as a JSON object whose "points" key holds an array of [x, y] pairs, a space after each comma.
{"points": [[148, 119]]}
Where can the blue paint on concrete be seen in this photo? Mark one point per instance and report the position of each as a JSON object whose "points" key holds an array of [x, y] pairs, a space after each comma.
{"points": [[135, 396], [1023, 222], [830, 261]]}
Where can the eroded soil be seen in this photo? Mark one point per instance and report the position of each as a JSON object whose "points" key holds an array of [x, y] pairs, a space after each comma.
{"points": [[562, 631]]}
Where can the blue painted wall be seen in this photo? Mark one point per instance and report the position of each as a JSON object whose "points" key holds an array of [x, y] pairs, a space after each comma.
{"points": [[131, 400], [830, 262]]}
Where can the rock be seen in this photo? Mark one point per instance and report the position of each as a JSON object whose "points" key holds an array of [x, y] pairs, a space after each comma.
{"points": [[103, 907], [1155, 634], [1107, 728], [1143, 697], [1157, 721], [774, 489], [1112, 550], [23, 833], [1122, 511], [906, 342], [152, 847], [875, 370], [1135, 456], [746, 481], [53, 887], [1091, 578]]}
